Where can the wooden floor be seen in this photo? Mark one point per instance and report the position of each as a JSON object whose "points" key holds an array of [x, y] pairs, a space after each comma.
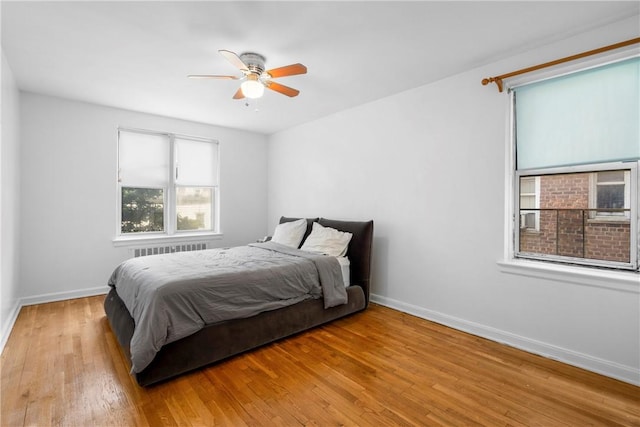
{"points": [[62, 366]]}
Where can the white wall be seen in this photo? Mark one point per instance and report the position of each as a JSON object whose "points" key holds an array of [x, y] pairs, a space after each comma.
{"points": [[428, 166], [69, 191], [9, 200]]}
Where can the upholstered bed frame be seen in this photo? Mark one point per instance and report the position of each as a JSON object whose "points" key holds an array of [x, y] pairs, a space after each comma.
{"points": [[221, 340]]}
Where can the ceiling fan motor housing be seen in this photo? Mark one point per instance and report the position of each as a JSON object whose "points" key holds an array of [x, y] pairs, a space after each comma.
{"points": [[253, 61]]}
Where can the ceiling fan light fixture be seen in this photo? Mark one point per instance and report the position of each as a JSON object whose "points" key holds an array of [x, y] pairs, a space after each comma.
{"points": [[252, 88]]}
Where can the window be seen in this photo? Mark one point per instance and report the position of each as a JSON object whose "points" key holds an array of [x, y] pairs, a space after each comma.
{"points": [[611, 194], [167, 184], [577, 154]]}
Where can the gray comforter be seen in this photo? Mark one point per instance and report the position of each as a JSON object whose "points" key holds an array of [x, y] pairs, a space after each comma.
{"points": [[175, 295]]}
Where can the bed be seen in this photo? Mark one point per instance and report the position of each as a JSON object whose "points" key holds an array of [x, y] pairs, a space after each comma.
{"points": [[222, 339]]}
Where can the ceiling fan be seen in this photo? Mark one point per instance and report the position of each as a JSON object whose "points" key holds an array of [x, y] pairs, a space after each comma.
{"points": [[254, 76]]}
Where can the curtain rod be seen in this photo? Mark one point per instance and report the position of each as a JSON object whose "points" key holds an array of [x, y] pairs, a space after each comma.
{"points": [[498, 79]]}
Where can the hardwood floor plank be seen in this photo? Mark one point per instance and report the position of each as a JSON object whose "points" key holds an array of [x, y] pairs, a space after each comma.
{"points": [[62, 365]]}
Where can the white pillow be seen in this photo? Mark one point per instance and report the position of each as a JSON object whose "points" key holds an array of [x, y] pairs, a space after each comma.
{"points": [[290, 233], [326, 240]]}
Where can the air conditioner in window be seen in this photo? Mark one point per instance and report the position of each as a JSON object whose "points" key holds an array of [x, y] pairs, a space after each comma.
{"points": [[528, 220]]}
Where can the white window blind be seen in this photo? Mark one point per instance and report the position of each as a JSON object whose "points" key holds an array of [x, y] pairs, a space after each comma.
{"points": [[143, 159], [591, 116], [196, 162]]}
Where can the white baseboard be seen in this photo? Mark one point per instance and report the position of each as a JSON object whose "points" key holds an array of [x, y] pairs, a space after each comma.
{"points": [[600, 366], [41, 299], [8, 327], [61, 296]]}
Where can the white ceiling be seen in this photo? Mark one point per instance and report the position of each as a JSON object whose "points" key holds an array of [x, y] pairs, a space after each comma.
{"points": [[136, 55]]}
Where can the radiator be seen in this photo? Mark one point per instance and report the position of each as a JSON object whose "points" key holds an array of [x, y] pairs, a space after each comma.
{"points": [[155, 250]]}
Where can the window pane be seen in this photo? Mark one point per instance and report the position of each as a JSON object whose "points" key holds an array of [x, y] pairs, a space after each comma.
{"points": [[142, 210], [611, 196], [527, 185], [527, 202], [570, 226], [194, 208], [611, 176]]}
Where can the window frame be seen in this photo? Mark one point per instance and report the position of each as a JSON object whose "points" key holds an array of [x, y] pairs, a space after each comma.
{"points": [[170, 232]]}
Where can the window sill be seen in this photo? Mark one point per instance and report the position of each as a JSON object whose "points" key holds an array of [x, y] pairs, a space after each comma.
{"points": [[625, 281], [160, 239], [608, 220], [533, 231]]}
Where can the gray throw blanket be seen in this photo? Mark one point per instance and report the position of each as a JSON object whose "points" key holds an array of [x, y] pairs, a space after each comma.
{"points": [[175, 295]]}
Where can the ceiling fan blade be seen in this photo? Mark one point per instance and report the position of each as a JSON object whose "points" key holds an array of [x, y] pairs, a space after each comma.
{"points": [[285, 90], [238, 94], [211, 76], [234, 59], [288, 70]]}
